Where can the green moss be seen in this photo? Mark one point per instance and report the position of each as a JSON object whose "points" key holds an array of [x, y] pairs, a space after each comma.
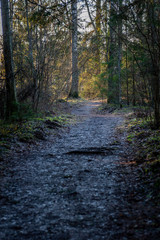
{"points": [[155, 139], [26, 137], [130, 137]]}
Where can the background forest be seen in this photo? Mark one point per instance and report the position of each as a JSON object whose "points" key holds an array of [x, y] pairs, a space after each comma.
{"points": [[80, 119], [99, 48]]}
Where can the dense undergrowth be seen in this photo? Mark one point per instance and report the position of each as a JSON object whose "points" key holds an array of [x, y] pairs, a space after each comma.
{"points": [[144, 140], [146, 145], [28, 127], [28, 131]]}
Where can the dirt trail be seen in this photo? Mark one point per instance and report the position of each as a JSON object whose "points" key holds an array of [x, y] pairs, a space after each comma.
{"points": [[75, 189]]}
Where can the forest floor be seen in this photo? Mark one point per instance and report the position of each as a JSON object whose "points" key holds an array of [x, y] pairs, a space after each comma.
{"points": [[79, 184]]}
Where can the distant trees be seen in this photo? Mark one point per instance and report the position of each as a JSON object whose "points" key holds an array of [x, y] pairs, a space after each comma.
{"points": [[116, 56], [129, 37], [143, 24], [39, 66]]}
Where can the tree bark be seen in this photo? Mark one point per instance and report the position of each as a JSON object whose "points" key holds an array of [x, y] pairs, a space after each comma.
{"points": [[127, 82], [155, 56], [98, 33], [112, 49], [133, 84], [31, 61], [11, 101], [74, 87], [119, 53]]}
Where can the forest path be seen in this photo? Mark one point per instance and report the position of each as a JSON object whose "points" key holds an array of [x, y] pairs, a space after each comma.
{"points": [[75, 188]]}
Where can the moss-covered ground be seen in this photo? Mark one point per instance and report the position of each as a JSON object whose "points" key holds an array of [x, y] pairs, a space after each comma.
{"points": [[144, 140], [16, 133]]}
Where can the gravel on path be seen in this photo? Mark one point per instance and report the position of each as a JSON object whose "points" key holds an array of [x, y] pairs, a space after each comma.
{"points": [[76, 188]]}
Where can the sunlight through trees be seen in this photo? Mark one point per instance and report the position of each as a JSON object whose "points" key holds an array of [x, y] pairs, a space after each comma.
{"points": [[101, 48]]}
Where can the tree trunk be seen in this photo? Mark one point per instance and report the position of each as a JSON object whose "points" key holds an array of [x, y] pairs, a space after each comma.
{"points": [[127, 82], [98, 33], [106, 32], [11, 101], [133, 85], [155, 56], [119, 52], [112, 49], [74, 87], [31, 62]]}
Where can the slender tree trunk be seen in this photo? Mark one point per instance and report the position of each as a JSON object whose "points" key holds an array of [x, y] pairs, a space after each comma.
{"points": [[119, 52], [31, 62], [11, 8], [106, 12], [155, 56], [156, 102], [11, 100], [30, 52], [133, 85], [98, 38], [112, 49], [127, 83], [74, 86]]}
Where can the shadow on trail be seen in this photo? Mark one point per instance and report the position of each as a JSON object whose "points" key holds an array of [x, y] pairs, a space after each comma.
{"points": [[74, 189]]}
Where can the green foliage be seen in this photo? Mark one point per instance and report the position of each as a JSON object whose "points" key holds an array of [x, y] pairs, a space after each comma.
{"points": [[130, 137], [60, 119], [113, 89], [49, 28], [146, 148], [40, 17], [26, 137], [23, 112], [146, 140], [154, 139], [24, 131], [101, 84]]}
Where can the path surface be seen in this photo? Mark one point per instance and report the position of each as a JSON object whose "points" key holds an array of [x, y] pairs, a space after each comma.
{"points": [[74, 189]]}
